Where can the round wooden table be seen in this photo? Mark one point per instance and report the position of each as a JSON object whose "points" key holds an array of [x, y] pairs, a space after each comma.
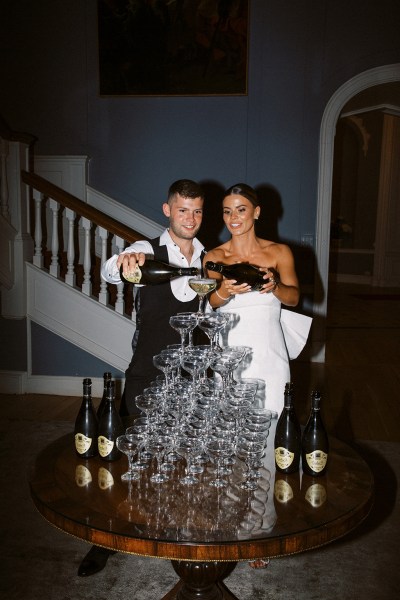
{"points": [[202, 530]]}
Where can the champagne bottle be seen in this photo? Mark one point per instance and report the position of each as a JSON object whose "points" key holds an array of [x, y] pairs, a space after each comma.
{"points": [[110, 427], [242, 272], [155, 271], [287, 441], [315, 443], [106, 377], [85, 429]]}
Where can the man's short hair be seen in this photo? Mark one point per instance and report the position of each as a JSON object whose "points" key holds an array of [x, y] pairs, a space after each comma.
{"points": [[185, 188]]}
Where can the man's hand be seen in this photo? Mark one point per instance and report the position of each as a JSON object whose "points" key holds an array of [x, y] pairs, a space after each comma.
{"points": [[130, 261]]}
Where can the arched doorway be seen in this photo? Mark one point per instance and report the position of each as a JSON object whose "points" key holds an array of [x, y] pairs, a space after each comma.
{"points": [[363, 81]]}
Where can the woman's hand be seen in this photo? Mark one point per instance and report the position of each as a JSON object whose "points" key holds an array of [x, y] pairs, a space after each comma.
{"points": [[272, 278], [232, 288]]}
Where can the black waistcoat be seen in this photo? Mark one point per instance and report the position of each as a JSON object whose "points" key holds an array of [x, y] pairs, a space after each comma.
{"points": [[154, 305]]}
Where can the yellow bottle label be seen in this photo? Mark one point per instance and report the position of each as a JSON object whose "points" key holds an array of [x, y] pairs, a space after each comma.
{"points": [[82, 476], [105, 446], [316, 495], [134, 276], [82, 443], [105, 479], [316, 460], [283, 491], [283, 457]]}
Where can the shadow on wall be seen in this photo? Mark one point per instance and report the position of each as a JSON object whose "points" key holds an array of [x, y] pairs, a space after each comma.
{"points": [[304, 256], [213, 228], [311, 287]]}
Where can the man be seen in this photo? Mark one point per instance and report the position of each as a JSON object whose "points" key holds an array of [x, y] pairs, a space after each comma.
{"points": [[154, 305]]}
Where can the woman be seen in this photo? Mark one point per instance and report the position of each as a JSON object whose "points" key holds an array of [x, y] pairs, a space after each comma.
{"points": [[256, 320]]}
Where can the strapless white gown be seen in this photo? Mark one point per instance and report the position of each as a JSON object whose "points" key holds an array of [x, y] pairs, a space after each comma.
{"points": [[256, 323]]}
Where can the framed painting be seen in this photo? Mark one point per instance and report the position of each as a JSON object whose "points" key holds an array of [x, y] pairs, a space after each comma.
{"points": [[173, 47]]}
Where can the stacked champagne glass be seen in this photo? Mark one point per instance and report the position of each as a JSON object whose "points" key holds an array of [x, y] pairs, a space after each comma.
{"points": [[200, 427]]}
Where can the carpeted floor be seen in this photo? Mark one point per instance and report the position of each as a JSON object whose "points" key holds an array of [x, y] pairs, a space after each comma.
{"points": [[39, 561]]}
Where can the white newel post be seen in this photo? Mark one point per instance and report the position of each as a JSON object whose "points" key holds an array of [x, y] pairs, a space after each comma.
{"points": [[20, 243]]}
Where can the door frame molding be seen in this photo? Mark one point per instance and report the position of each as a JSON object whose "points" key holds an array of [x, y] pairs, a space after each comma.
{"points": [[367, 79]]}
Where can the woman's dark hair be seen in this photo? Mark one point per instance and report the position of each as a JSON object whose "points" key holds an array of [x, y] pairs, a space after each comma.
{"points": [[242, 189]]}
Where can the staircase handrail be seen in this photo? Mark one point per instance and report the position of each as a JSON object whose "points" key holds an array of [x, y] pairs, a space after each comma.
{"points": [[66, 199]]}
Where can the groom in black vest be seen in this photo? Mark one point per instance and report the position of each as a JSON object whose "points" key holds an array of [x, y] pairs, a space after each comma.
{"points": [[154, 305]]}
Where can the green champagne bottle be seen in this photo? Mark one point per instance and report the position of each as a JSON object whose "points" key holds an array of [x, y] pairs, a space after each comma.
{"points": [[242, 272], [287, 441], [154, 272], [85, 429], [110, 427], [315, 443]]}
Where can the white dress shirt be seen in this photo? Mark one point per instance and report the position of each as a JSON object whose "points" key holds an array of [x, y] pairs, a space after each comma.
{"points": [[179, 285]]}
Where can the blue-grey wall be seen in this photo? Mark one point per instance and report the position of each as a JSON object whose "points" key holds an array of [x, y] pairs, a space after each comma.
{"points": [[66, 359], [300, 53]]}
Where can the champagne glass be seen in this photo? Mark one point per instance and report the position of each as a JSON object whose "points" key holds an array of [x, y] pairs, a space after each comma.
{"points": [[159, 445], [140, 434], [129, 446], [219, 450], [166, 362], [147, 403], [194, 362], [248, 384], [187, 447], [196, 428], [237, 406], [258, 420], [194, 315], [259, 437], [240, 352], [202, 286], [249, 452], [183, 323], [212, 324], [224, 363], [174, 351]]}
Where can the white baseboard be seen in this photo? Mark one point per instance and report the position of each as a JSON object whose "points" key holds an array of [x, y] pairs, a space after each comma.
{"points": [[20, 382]]}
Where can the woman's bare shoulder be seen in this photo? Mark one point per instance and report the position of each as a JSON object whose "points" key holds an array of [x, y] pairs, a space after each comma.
{"points": [[274, 247]]}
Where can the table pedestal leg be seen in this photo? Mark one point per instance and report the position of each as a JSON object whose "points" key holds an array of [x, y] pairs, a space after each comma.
{"points": [[201, 581]]}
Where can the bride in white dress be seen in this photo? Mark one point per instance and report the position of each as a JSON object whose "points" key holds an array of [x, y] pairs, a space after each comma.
{"points": [[255, 323], [256, 315]]}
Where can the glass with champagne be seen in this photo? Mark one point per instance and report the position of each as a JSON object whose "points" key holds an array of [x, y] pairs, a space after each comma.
{"points": [[202, 286]]}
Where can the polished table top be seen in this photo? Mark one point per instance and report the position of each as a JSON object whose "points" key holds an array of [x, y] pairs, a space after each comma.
{"points": [[285, 515]]}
